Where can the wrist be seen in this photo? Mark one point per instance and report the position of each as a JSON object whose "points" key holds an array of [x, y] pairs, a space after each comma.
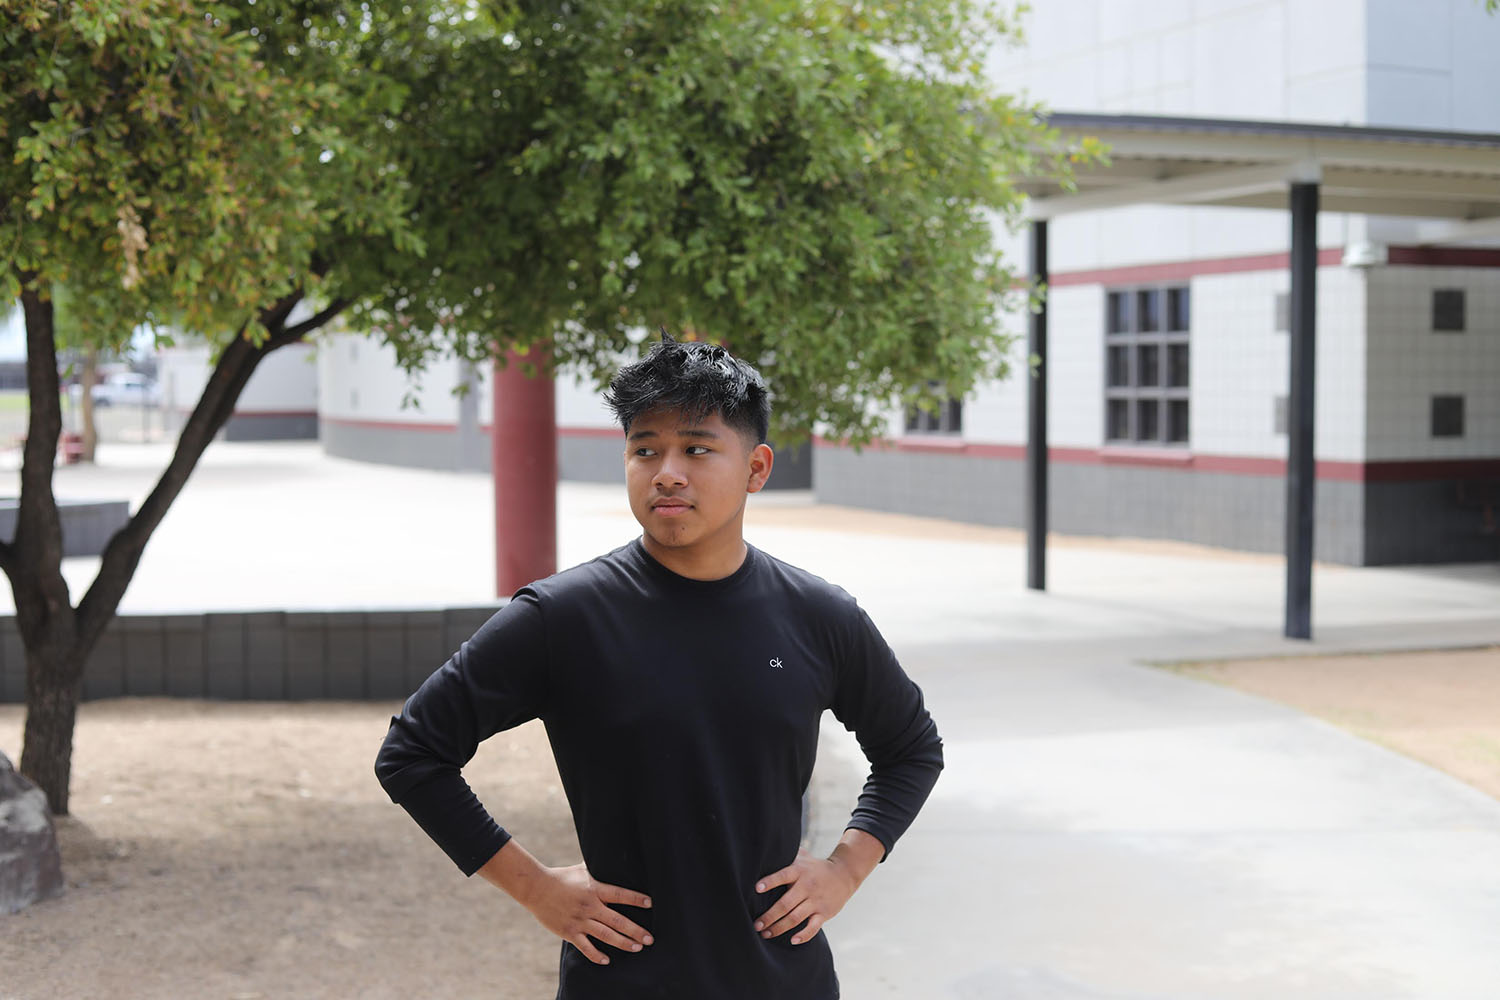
{"points": [[856, 855], [850, 873], [517, 872]]}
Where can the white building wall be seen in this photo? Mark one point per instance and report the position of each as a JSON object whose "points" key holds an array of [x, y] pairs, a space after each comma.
{"points": [[581, 405], [1298, 60], [1075, 393], [1240, 364], [1432, 64], [285, 381], [995, 413], [359, 380], [182, 372], [1410, 363]]}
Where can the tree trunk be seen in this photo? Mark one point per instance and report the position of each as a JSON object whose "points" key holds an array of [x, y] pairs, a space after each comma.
{"points": [[54, 683], [58, 637], [88, 428], [33, 562]]}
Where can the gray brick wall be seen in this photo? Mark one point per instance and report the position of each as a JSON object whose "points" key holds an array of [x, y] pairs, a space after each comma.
{"points": [[86, 524], [420, 449], [261, 656], [1358, 524], [271, 427], [1445, 520]]}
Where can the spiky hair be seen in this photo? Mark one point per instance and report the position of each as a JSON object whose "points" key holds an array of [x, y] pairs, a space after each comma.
{"points": [[695, 378]]}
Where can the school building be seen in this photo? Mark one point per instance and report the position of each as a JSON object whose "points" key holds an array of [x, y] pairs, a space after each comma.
{"points": [[1171, 307]]}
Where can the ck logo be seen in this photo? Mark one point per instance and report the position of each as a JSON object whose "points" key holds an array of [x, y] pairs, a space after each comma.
{"points": [[776, 662]]}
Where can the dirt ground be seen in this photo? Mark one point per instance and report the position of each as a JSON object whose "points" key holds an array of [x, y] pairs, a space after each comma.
{"points": [[245, 850], [1443, 708]]}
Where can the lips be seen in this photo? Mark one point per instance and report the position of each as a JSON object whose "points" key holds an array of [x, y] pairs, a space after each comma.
{"points": [[671, 506]]}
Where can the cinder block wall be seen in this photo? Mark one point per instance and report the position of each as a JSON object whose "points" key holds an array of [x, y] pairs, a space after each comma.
{"points": [[262, 656]]}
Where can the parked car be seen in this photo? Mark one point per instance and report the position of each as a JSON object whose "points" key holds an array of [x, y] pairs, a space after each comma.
{"points": [[125, 388]]}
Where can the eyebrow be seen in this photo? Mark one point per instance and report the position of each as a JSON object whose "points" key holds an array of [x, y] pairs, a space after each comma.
{"points": [[692, 432]]}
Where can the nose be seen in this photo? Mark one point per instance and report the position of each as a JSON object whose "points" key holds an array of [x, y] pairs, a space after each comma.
{"points": [[669, 474]]}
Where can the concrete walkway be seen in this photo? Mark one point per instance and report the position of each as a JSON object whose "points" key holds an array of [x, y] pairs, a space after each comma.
{"points": [[1104, 829]]}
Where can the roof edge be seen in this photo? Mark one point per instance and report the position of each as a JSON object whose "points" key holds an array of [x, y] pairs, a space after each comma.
{"points": [[1083, 121]]}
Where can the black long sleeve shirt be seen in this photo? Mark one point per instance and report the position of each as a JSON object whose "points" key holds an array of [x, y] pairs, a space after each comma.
{"points": [[683, 715]]}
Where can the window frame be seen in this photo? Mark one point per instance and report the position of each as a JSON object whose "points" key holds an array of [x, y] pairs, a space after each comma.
{"points": [[947, 421], [1450, 310], [1134, 342]]}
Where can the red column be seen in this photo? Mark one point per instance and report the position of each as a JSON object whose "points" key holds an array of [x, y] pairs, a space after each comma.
{"points": [[523, 454]]}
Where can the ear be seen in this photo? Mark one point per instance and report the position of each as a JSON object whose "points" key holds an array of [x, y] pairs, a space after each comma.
{"points": [[761, 460]]}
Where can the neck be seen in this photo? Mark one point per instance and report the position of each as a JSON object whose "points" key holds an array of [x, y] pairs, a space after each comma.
{"points": [[696, 563]]}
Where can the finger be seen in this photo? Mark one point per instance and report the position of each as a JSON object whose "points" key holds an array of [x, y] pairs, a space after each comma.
{"points": [[608, 935], [786, 876], [779, 909], [583, 944], [799, 913], [624, 925], [616, 894], [806, 934]]}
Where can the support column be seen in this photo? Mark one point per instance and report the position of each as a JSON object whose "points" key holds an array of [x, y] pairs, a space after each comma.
{"points": [[1036, 425], [523, 458], [1301, 467]]}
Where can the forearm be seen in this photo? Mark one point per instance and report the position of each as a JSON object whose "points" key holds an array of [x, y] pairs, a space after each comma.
{"points": [[900, 781], [857, 854], [447, 810], [515, 870]]}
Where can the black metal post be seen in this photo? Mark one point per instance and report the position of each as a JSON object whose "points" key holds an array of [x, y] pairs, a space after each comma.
{"points": [[1036, 426], [1301, 469]]}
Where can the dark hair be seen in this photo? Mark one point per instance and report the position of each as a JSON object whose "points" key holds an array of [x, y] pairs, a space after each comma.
{"points": [[696, 378]]}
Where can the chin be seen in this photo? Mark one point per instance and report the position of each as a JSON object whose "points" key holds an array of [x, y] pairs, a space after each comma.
{"points": [[671, 540]]}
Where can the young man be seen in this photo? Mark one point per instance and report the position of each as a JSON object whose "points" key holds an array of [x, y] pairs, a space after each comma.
{"points": [[681, 679]]}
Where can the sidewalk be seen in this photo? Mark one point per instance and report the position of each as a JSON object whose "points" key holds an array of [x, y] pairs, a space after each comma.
{"points": [[1103, 829]]}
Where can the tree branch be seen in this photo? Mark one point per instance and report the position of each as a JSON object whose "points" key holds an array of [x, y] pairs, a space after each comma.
{"points": [[297, 332], [273, 317], [123, 553]]}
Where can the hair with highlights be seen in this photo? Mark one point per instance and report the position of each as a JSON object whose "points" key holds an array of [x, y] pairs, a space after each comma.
{"points": [[696, 379]]}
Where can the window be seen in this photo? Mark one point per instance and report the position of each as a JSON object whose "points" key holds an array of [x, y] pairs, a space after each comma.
{"points": [[947, 419], [1447, 416], [1448, 310], [1283, 310], [1147, 370]]}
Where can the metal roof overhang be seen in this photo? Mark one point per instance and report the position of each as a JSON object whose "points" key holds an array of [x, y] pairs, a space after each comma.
{"points": [[1451, 178]]}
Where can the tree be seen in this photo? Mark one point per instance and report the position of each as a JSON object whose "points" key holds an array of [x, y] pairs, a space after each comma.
{"points": [[83, 337], [157, 168], [813, 183]]}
